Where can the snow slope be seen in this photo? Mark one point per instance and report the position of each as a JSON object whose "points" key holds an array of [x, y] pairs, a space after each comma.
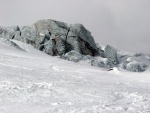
{"points": [[33, 82]]}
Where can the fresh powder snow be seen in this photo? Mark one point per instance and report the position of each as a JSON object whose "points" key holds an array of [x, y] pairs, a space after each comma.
{"points": [[34, 82]]}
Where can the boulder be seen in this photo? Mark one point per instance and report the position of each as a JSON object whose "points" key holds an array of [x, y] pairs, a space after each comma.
{"points": [[80, 40], [134, 66], [54, 37], [87, 57], [53, 31], [101, 62], [72, 56], [111, 54]]}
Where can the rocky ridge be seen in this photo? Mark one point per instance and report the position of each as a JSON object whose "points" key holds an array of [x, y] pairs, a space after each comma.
{"points": [[73, 42], [54, 37]]}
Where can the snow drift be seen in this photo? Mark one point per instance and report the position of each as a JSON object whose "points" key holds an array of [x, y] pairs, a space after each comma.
{"points": [[34, 82]]}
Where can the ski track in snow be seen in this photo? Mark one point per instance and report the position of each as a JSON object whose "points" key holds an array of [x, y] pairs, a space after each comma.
{"points": [[52, 85]]}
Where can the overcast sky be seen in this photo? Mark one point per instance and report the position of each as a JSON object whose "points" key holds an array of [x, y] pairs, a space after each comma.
{"points": [[124, 24]]}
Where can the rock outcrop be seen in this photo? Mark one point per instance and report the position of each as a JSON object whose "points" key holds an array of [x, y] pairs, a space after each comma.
{"points": [[134, 66], [74, 43], [111, 54], [54, 37]]}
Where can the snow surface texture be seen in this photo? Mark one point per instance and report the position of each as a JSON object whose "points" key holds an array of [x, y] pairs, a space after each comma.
{"points": [[33, 82]]}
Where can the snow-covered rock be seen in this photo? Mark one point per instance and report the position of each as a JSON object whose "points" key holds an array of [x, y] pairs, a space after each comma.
{"points": [[81, 40], [101, 62], [72, 56], [111, 54], [73, 42], [28, 35], [15, 28], [134, 66], [87, 57], [61, 37], [101, 50], [6, 32], [137, 62]]}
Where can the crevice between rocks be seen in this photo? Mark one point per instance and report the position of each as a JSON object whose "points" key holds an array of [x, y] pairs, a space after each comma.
{"points": [[67, 34]]}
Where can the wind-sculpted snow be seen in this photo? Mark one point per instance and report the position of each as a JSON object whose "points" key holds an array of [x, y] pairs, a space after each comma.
{"points": [[34, 82]]}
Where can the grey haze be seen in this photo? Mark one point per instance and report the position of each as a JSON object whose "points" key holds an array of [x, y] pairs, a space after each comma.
{"points": [[124, 24]]}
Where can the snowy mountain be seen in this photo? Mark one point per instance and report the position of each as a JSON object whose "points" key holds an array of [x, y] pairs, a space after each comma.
{"points": [[34, 82]]}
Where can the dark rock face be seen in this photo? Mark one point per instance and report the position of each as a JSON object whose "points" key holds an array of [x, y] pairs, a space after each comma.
{"points": [[81, 40], [54, 37]]}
